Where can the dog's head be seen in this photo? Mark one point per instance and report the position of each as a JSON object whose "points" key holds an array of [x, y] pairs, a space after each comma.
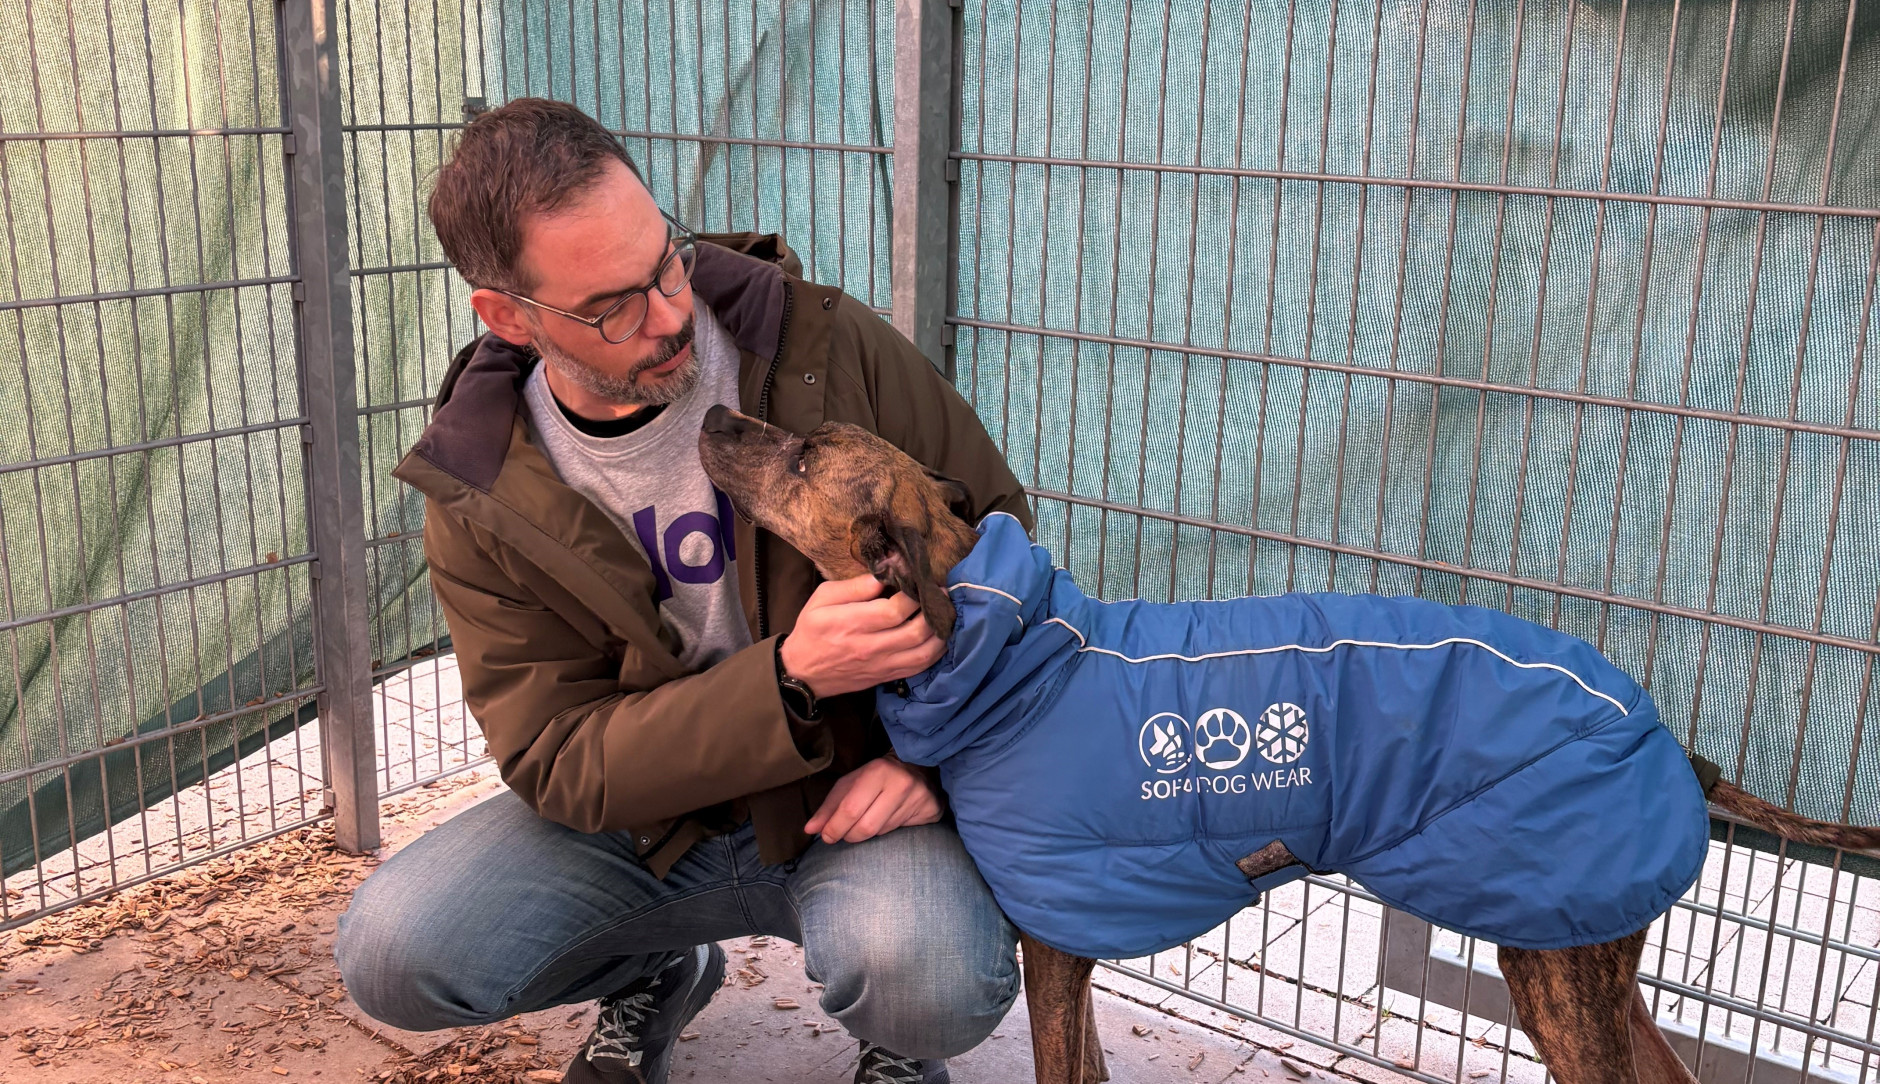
{"points": [[846, 499]]}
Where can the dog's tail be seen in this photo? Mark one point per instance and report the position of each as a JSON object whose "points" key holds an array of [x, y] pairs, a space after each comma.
{"points": [[1777, 821]]}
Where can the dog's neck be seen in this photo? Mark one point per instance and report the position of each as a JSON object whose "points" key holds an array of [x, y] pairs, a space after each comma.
{"points": [[951, 539]]}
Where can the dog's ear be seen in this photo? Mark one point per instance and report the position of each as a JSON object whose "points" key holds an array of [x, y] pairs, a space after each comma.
{"points": [[896, 554], [953, 491]]}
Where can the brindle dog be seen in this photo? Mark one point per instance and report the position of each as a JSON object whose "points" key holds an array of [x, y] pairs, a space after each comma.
{"points": [[853, 503]]}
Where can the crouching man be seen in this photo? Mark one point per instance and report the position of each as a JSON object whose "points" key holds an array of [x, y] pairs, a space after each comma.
{"points": [[683, 714]]}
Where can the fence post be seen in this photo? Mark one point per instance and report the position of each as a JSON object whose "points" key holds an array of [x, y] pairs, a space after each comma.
{"points": [[329, 395], [925, 121]]}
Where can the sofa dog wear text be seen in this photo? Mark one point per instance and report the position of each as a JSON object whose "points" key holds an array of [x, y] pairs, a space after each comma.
{"points": [[1109, 762]]}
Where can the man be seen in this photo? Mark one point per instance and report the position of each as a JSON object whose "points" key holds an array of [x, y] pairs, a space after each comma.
{"points": [[682, 712]]}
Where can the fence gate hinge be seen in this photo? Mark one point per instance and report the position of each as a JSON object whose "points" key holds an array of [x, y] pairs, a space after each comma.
{"points": [[288, 144], [300, 291], [947, 335], [953, 170], [327, 800], [313, 569], [474, 108]]}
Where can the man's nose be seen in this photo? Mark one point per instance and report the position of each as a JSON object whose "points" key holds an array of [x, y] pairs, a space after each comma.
{"points": [[664, 315]]}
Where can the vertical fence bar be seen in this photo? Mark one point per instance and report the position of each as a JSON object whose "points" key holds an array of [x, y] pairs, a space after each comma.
{"points": [[330, 394], [921, 270]]}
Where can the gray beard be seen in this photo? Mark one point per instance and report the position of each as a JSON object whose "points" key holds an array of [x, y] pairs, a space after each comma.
{"points": [[625, 390]]}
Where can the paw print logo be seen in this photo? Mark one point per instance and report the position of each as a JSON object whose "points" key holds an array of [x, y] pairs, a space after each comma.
{"points": [[1222, 739], [1163, 743], [1283, 733]]}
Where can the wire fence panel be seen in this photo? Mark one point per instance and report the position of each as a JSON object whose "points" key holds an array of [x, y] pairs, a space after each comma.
{"points": [[1560, 309], [153, 552]]}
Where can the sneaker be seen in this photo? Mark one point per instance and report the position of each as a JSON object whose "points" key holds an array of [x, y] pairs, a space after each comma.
{"points": [[638, 1027], [880, 1065]]}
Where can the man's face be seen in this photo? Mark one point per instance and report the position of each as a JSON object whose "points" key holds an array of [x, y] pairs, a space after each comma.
{"points": [[582, 258]]}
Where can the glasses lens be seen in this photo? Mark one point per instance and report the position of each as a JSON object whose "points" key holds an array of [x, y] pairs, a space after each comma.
{"points": [[677, 270], [620, 324]]}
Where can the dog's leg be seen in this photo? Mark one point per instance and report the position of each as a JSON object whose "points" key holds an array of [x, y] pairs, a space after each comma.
{"points": [[1064, 1044], [1583, 1010]]}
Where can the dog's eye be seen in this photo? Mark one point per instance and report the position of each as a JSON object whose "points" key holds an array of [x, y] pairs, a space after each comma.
{"points": [[797, 464]]}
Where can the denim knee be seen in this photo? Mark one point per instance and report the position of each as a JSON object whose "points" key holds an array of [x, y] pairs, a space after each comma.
{"points": [[404, 968], [911, 988]]}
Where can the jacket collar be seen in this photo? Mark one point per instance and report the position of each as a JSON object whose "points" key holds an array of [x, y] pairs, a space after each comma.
{"points": [[469, 434], [1004, 654]]}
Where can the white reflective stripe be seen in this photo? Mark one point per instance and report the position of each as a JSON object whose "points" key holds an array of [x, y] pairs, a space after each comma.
{"points": [[1085, 641], [993, 590]]}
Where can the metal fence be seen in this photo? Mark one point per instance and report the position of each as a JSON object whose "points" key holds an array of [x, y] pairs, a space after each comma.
{"points": [[1558, 309]]}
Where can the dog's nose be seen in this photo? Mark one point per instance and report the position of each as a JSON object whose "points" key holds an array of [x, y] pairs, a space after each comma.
{"points": [[725, 422]]}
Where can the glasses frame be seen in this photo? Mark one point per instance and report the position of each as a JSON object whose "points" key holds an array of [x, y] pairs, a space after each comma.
{"points": [[680, 239]]}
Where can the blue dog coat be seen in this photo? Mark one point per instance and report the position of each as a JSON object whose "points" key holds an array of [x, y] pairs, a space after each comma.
{"points": [[1108, 762]]}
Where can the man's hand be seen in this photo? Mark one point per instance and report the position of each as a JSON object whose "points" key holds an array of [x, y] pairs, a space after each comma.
{"points": [[848, 637], [878, 797]]}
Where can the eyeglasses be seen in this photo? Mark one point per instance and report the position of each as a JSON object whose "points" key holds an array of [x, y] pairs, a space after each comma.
{"points": [[628, 311]]}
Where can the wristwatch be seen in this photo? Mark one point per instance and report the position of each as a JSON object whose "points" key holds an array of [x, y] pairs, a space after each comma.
{"points": [[796, 693]]}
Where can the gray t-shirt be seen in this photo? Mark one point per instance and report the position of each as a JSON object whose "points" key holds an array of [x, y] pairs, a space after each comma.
{"points": [[650, 482]]}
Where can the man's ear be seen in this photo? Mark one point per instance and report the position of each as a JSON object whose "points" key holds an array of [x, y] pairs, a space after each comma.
{"points": [[896, 554], [953, 491]]}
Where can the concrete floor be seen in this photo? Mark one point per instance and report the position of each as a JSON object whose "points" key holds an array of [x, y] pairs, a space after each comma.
{"points": [[223, 972]]}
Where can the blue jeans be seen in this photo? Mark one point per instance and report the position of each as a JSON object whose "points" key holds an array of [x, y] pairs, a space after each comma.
{"points": [[499, 911]]}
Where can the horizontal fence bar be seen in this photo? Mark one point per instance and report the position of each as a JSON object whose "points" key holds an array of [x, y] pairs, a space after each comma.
{"points": [[395, 539], [1313, 1037], [402, 404], [200, 722], [154, 592], [150, 133], [391, 670], [1419, 182], [151, 445], [1427, 565], [132, 882], [398, 269], [457, 769], [1694, 413], [664, 137], [148, 291]]}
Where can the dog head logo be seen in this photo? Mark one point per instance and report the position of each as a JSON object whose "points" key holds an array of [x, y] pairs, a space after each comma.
{"points": [[1282, 733], [1163, 743], [1222, 739]]}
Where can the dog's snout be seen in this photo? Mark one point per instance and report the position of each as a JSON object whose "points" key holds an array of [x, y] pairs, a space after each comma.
{"points": [[724, 421]]}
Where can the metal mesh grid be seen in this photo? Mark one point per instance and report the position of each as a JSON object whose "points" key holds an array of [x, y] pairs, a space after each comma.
{"points": [[1559, 309], [152, 548]]}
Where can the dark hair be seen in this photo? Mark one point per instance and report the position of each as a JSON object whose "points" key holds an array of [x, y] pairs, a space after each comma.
{"points": [[525, 158]]}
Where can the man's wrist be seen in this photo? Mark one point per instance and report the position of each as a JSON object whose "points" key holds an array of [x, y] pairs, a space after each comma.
{"points": [[794, 691]]}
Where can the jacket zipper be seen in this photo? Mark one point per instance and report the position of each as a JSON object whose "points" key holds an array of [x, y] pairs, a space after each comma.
{"points": [[763, 415]]}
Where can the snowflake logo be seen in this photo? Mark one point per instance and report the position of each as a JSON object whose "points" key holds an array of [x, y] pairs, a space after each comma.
{"points": [[1163, 743], [1282, 733], [1222, 739]]}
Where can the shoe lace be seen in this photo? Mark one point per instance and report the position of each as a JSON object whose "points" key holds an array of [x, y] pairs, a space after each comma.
{"points": [[880, 1065], [617, 1029]]}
